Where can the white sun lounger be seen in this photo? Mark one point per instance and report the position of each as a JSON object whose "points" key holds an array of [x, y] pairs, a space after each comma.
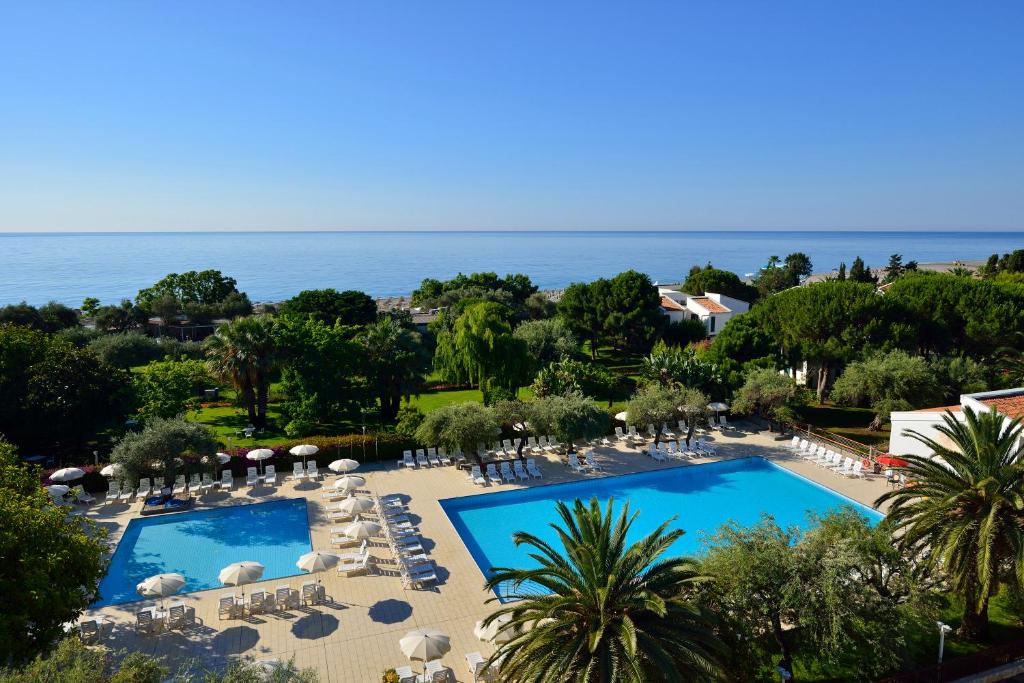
{"points": [[270, 476], [519, 470], [532, 469], [476, 476], [312, 471], [179, 484], [251, 478], [298, 471], [432, 457], [421, 458], [407, 460], [442, 456], [227, 480], [492, 474], [506, 472], [145, 487]]}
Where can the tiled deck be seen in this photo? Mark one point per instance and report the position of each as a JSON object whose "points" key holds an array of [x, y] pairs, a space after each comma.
{"points": [[355, 636]]}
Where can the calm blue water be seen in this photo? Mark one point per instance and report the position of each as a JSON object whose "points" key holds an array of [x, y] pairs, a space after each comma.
{"points": [[273, 266], [703, 497], [198, 544]]}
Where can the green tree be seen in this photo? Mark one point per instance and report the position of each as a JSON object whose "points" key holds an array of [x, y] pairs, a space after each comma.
{"points": [[90, 305], [23, 315], [397, 363], [887, 382], [124, 317], [681, 366], [568, 418], [632, 311], [512, 290], [514, 417], [53, 562], [547, 340], [199, 287], [770, 394], [842, 272], [964, 511], [126, 350], [573, 376], [539, 306], [654, 404], [708, 279], [481, 350], [168, 388], [56, 316], [459, 427], [246, 353], [861, 273], [601, 609], [330, 306], [163, 447], [693, 407], [957, 375], [684, 332], [319, 365], [579, 307], [746, 341]]}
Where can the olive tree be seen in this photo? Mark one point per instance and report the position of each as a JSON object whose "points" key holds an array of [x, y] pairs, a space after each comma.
{"points": [[459, 427], [654, 404], [568, 417], [770, 394], [163, 447]]}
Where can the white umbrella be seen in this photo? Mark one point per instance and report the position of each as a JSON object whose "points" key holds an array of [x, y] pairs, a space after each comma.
{"points": [[317, 561], [343, 465], [718, 407], [355, 505], [160, 586], [349, 483], [621, 417], [496, 631], [361, 529], [67, 474], [259, 455], [426, 644], [304, 450], [113, 470], [57, 490], [241, 573]]}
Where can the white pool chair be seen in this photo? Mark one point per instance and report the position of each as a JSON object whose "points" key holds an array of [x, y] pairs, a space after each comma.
{"points": [[476, 476], [492, 474], [270, 476], [532, 469], [421, 458], [312, 471], [519, 470], [251, 477]]}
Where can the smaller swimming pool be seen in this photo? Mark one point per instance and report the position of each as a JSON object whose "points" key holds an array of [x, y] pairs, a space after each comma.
{"points": [[198, 544], [702, 497]]}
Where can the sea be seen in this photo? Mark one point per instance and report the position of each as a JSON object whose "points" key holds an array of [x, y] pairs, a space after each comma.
{"points": [[272, 266]]}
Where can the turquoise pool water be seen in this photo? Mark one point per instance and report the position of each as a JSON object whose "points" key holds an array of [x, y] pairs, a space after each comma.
{"points": [[703, 497], [199, 543]]}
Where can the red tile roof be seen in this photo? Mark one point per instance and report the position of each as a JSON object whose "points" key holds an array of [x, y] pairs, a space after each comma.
{"points": [[671, 304], [710, 304], [1011, 406], [939, 409]]}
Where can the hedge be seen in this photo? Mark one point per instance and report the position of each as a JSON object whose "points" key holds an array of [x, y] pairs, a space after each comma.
{"points": [[389, 446]]}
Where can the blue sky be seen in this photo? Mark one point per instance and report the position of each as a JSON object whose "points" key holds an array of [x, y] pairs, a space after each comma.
{"points": [[529, 115]]}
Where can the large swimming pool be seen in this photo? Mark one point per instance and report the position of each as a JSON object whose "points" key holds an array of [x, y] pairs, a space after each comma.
{"points": [[198, 544], [703, 497]]}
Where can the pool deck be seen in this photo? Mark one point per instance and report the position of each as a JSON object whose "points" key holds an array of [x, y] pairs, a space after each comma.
{"points": [[354, 637]]}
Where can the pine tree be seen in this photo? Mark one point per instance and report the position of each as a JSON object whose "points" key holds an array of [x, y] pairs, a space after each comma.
{"points": [[842, 271], [860, 273]]}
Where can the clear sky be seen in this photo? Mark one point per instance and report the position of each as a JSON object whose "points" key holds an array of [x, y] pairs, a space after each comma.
{"points": [[197, 115]]}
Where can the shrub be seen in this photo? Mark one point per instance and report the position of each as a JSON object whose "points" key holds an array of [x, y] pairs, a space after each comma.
{"points": [[79, 336], [126, 350], [409, 420], [380, 446]]}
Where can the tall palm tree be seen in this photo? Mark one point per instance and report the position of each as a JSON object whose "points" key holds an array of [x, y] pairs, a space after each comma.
{"points": [[246, 352], [396, 361], [598, 609], [966, 508]]}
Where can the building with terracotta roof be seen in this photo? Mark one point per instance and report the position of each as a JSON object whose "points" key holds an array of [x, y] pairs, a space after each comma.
{"points": [[712, 309], [1009, 402]]}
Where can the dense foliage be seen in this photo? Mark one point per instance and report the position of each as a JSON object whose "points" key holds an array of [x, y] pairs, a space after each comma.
{"points": [[52, 317], [480, 349], [246, 352], [163, 448], [886, 382], [396, 363], [513, 290], [330, 306], [200, 296], [624, 311], [709, 279], [52, 562], [770, 394], [547, 341], [169, 388]]}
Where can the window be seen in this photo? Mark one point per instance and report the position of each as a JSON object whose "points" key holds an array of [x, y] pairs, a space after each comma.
{"points": [[711, 324]]}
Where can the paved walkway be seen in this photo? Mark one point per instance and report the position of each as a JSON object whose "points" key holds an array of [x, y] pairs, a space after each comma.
{"points": [[354, 637]]}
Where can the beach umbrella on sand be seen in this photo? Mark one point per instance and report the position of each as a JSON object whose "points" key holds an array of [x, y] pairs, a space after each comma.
{"points": [[241, 573], [355, 505], [361, 530], [425, 644], [496, 631], [259, 455], [67, 474], [112, 470], [160, 586], [305, 450], [343, 465], [317, 561], [349, 483]]}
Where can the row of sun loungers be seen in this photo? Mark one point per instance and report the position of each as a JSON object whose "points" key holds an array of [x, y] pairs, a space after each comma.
{"points": [[428, 457], [505, 472], [284, 597], [827, 458], [666, 450], [151, 620], [414, 567]]}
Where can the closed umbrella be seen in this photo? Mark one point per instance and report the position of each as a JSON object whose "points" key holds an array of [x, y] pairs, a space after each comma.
{"points": [[67, 474], [361, 530], [355, 505], [57, 490], [349, 483], [317, 561], [259, 455], [241, 573], [425, 644], [304, 450], [496, 631], [112, 470], [344, 465], [160, 586]]}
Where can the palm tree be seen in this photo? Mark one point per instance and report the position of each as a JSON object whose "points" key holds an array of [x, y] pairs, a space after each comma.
{"points": [[396, 361], [965, 510], [598, 609], [246, 352]]}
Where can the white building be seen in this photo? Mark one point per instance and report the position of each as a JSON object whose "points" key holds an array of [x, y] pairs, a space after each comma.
{"points": [[714, 310], [1009, 402]]}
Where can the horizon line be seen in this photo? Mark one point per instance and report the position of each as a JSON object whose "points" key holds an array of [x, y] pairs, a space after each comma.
{"points": [[513, 231]]}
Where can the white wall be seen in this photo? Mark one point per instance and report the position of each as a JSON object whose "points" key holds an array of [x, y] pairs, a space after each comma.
{"points": [[921, 422]]}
